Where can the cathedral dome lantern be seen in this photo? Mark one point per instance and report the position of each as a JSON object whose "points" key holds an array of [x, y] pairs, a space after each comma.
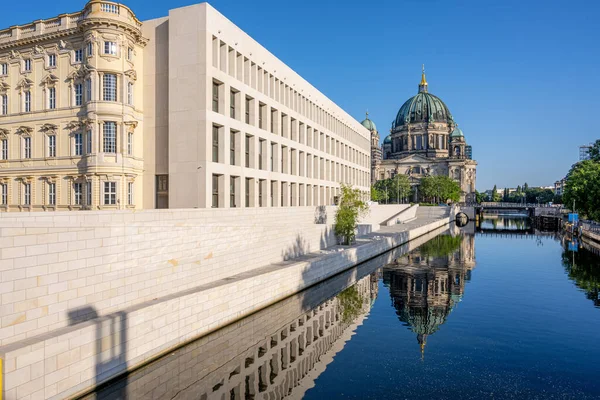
{"points": [[367, 123]]}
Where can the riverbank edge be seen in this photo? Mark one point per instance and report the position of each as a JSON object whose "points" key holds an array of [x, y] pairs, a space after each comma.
{"points": [[232, 299]]}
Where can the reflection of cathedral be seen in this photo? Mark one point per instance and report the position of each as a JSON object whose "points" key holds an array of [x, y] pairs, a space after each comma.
{"points": [[426, 284], [424, 140]]}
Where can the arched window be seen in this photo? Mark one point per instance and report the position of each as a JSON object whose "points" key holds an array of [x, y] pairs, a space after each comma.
{"points": [[456, 150]]}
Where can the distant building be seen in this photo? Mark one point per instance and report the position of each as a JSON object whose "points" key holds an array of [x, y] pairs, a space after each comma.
{"points": [[469, 152], [559, 187], [584, 152]]}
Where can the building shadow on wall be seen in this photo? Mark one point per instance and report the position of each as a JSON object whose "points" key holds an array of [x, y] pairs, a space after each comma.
{"points": [[110, 349]]}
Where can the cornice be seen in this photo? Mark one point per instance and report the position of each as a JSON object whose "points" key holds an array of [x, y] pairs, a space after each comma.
{"points": [[40, 38]]}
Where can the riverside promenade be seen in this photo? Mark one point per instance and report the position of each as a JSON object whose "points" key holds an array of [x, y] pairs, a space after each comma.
{"points": [[95, 346]]}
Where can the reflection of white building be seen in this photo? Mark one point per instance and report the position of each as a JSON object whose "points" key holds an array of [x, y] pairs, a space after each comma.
{"points": [[425, 140]]}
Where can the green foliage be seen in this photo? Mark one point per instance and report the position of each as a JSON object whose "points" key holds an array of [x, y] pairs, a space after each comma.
{"points": [[583, 268], [351, 207], [441, 246], [436, 189], [595, 151], [377, 194], [558, 199], [583, 187], [351, 304], [495, 195], [392, 190], [479, 197]]}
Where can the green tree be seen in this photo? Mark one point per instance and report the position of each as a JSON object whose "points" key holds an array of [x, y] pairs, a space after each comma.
{"points": [[595, 151], [377, 194], [525, 187], [351, 207], [479, 197], [583, 187], [399, 188], [495, 195], [437, 189]]}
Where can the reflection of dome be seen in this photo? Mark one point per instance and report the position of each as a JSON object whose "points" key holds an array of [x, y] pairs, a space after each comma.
{"points": [[456, 133], [387, 140], [370, 125], [424, 320]]}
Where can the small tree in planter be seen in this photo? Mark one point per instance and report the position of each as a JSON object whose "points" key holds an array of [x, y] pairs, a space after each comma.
{"points": [[350, 208]]}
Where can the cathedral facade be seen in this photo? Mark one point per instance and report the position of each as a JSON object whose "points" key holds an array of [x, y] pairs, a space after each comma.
{"points": [[424, 140]]}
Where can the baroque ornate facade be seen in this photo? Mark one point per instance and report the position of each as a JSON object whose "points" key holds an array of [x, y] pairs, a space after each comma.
{"points": [[425, 140]]}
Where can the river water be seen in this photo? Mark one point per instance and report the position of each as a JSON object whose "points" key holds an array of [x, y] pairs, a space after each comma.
{"points": [[499, 311]]}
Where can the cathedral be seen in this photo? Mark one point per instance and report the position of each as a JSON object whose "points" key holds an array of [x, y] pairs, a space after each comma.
{"points": [[424, 140]]}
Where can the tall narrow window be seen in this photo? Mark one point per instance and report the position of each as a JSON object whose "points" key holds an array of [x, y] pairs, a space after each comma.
{"points": [[90, 49], [110, 193], [247, 191], [232, 104], [247, 110], [215, 97], [4, 105], [88, 149], [261, 111], [27, 65], [215, 191], [4, 194], [130, 193], [215, 143], [130, 93], [109, 87], [52, 98], [273, 116], [261, 145], [52, 60], [88, 193], [4, 149], [52, 146], [247, 161], [27, 147], [77, 192], [273, 147], [4, 69], [130, 144], [110, 137], [52, 193], [130, 54], [78, 55], [260, 192], [78, 94], [88, 89], [79, 144], [27, 194], [232, 137], [232, 191], [110, 48], [27, 101]]}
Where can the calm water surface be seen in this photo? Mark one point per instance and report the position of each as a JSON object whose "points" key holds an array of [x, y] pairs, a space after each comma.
{"points": [[496, 312]]}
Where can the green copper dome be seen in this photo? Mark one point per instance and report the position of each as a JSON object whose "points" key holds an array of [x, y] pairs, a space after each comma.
{"points": [[367, 123], [457, 133], [387, 140], [424, 107]]}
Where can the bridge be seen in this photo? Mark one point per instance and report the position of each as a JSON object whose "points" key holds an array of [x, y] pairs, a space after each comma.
{"points": [[531, 209]]}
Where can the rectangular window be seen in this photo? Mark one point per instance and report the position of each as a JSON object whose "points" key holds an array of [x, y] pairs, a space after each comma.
{"points": [[4, 194], [109, 8], [247, 163], [90, 49], [232, 191], [273, 189], [232, 148], [88, 89], [52, 98], [232, 104], [273, 147], [4, 150], [27, 193], [130, 93], [273, 115], [130, 144], [88, 149], [261, 111], [109, 87], [27, 65], [52, 146], [27, 147], [260, 192], [78, 144], [110, 193], [215, 97], [78, 94], [130, 53], [261, 145], [4, 69], [77, 191], [78, 55], [215, 191], [52, 193], [110, 137], [88, 193], [4, 99], [247, 110], [28, 101], [110, 48], [130, 193], [52, 60], [247, 191], [215, 143]]}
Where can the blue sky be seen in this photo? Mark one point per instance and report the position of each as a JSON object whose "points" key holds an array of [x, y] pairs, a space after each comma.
{"points": [[520, 77]]}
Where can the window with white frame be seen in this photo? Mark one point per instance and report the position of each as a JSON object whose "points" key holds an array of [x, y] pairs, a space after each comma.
{"points": [[88, 89], [27, 194], [130, 193], [52, 98], [4, 69], [130, 143], [79, 144], [27, 147], [4, 149], [88, 193], [52, 193], [78, 55], [27, 65], [110, 193], [90, 49], [4, 105], [51, 60], [27, 95], [130, 93], [52, 146], [109, 140], [110, 48], [77, 193], [109, 89], [109, 8], [4, 194], [78, 94], [88, 149]]}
